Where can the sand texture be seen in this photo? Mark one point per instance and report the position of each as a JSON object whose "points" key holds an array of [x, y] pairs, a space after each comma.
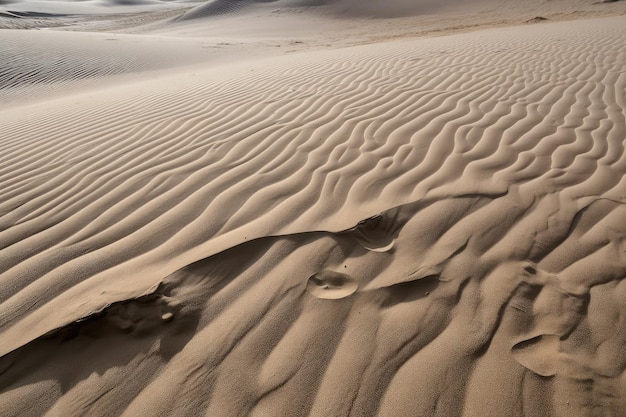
{"points": [[323, 208]]}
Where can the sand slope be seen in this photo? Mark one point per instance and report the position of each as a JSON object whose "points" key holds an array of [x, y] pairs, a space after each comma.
{"points": [[420, 227]]}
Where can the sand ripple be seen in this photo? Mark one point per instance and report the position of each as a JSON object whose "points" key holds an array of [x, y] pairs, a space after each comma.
{"points": [[188, 220]]}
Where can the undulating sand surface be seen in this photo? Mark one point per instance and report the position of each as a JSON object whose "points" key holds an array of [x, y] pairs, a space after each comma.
{"points": [[313, 208]]}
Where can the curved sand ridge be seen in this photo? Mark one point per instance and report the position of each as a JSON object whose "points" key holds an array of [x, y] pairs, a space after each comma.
{"points": [[401, 8], [492, 288], [214, 8]]}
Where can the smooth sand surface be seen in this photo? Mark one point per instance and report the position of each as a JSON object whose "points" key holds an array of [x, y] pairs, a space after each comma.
{"points": [[292, 208]]}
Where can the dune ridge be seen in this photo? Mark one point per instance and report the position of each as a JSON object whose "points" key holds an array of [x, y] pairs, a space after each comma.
{"points": [[329, 232]]}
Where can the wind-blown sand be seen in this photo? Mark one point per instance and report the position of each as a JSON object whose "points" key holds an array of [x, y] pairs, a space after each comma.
{"points": [[279, 209]]}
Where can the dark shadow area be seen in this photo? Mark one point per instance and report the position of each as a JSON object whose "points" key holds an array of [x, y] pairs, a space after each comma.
{"points": [[143, 333]]}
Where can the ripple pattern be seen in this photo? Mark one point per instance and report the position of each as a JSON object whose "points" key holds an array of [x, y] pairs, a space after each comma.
{"points": [[491, 168]]}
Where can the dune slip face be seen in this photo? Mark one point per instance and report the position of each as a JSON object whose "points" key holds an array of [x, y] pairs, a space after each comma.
{"points": [[432, 227]]}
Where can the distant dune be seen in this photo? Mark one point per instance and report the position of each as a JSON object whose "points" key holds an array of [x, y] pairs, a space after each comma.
{"points": [[312, 208]]}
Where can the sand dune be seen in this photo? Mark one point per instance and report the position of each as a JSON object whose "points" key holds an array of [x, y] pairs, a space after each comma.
{"points": [[43, 64], [425, 226], [393, 8]]}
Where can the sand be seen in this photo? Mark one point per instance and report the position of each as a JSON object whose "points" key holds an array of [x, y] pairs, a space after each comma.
{"points": [[290, 208]]}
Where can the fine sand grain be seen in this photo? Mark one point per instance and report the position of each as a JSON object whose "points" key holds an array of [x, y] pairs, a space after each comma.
{"points": [[205, 211]]}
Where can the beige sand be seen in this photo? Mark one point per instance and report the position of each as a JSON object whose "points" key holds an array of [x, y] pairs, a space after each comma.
{"points": [[281, 209]]}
